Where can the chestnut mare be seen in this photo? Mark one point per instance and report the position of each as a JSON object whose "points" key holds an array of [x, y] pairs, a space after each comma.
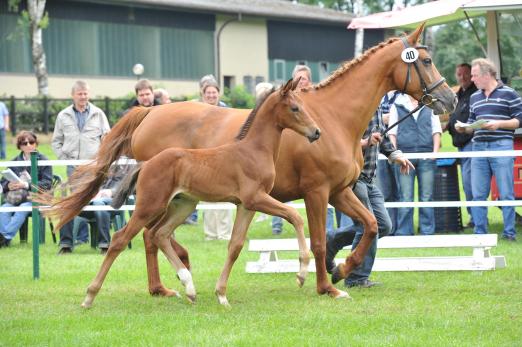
{"points": [[169, 186], [342, 106]]}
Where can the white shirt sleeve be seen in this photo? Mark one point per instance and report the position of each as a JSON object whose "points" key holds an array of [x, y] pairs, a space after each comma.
{"points": [[394, 117], [435, 124]]}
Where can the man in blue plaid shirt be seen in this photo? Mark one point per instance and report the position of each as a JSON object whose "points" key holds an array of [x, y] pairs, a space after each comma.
{"points": [[369, 194]]}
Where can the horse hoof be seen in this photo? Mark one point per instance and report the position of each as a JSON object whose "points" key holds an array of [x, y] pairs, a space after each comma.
{"points": [[222, 299], [342, 295], [164, 292], [336, 275], [86, 305], [300, 280], [191, 298]]}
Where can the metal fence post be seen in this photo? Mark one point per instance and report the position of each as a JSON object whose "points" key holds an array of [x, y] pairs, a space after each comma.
{"points": [[12, 115], [36, 218]]}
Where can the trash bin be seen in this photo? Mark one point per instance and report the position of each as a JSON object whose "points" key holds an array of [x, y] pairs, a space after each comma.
{"points": [[447, 219]]}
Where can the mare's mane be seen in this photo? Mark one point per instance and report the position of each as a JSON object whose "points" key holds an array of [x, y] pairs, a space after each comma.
{"points": [[250, 119], [346, 66]]}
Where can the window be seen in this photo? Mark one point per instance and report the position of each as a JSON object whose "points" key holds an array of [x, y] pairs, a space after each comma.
{"points": [[279, 70]]}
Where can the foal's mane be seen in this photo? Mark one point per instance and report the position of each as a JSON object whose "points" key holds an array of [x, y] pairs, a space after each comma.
{"points": [[250, 119], [350, 63]]}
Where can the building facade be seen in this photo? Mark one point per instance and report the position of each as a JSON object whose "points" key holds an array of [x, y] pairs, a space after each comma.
{"points": [[178, 41]]}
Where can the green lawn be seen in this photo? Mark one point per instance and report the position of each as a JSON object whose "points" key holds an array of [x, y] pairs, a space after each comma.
{"points": [[409, 309]]}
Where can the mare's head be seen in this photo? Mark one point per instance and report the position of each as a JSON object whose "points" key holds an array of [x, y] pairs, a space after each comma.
{"points": [[285, 107], [415, 74]]}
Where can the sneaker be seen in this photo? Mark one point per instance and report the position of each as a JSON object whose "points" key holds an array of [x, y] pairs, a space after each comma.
{"points": [[509, 238], [363, 284], [64, 250], [103, 250], [3, 241]]}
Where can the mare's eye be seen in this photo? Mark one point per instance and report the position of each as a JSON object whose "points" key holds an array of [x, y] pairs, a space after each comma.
{"points": [[294, 109], [426, 61]]}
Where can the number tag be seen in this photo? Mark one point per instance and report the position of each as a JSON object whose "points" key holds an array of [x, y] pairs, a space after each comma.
{"points": [[409, 55]]}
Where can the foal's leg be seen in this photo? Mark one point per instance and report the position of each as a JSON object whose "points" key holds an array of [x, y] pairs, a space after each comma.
{"points": [[119, 241], [316, 203], [151, 255], [348, 203], [243, 219], [151, 251], [176, 215], [263, 202]]}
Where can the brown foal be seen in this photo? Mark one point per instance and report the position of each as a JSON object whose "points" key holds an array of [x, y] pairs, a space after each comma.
{"points": [[169, 186]]}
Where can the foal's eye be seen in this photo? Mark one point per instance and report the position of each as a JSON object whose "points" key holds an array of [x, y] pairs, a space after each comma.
{"points": [[427, 61], [294, 109]]}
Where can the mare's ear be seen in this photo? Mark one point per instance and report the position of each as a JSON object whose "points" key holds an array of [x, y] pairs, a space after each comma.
{"points": [[287, 87], [414, 37]]}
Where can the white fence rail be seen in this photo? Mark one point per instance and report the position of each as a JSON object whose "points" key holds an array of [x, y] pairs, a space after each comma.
{"points": [[206, 206]]}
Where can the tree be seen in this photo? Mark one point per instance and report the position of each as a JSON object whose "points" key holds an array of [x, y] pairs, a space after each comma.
{"points": [[35, 19], [455, 43]]}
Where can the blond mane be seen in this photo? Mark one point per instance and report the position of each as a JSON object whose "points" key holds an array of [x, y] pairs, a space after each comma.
{"points": [[346, 66]]}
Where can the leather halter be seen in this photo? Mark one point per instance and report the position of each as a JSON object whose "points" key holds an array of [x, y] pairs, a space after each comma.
{"points": [[426, 98]]}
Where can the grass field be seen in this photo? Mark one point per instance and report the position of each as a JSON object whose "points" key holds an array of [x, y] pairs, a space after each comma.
{"points": [[409, 309]]}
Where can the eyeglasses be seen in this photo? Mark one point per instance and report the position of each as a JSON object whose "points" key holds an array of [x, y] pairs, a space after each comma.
{"points": [[27, 143]]}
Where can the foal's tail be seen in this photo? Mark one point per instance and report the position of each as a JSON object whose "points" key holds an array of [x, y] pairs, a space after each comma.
{"points": [[87, 179], [126, 188]]}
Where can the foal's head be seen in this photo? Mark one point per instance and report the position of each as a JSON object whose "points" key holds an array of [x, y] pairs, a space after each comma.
{"points": [[289, 111]]}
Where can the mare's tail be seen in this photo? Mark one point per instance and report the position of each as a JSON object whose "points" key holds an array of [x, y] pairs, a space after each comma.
{"points": [[126, 188], [87, 179]]}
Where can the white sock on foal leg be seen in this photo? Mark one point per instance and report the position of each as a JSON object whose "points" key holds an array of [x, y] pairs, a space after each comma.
{"points": [[186, 279]]}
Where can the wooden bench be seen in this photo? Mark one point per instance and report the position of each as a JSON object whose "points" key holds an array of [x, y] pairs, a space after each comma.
{"points": [[481, 258]]}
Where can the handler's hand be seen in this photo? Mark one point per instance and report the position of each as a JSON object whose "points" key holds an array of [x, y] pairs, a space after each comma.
{"points": [[405, 165], [491, 125], [374, 139], [17, 185]]}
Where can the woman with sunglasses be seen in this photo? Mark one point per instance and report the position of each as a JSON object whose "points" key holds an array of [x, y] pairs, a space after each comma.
{"points": [[10, 222]]}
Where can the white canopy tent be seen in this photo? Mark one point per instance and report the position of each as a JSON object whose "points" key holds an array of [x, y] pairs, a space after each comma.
{"points": [[441, 12]]}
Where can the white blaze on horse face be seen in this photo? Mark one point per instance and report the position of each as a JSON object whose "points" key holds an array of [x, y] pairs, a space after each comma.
{"points": [[409, 55]]}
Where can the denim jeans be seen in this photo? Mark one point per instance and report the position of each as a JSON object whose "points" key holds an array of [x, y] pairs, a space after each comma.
{"points": [[10, 222], [277, 223], [425, 172], [387, 182], [344, 222], [103, 222], [83, 232], [2, 143], [465, 172], [193, 216], [370, 195], [482, 169]]}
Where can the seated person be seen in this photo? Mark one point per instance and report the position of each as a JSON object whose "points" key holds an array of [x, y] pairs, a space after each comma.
{"points": [[17, 193], [102, 218]]}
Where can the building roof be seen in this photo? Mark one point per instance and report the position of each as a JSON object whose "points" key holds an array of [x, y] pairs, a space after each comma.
{"points": [[276, 9]]}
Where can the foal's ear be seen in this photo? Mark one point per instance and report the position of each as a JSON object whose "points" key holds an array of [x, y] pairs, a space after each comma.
{"points": [[287, 87]]}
